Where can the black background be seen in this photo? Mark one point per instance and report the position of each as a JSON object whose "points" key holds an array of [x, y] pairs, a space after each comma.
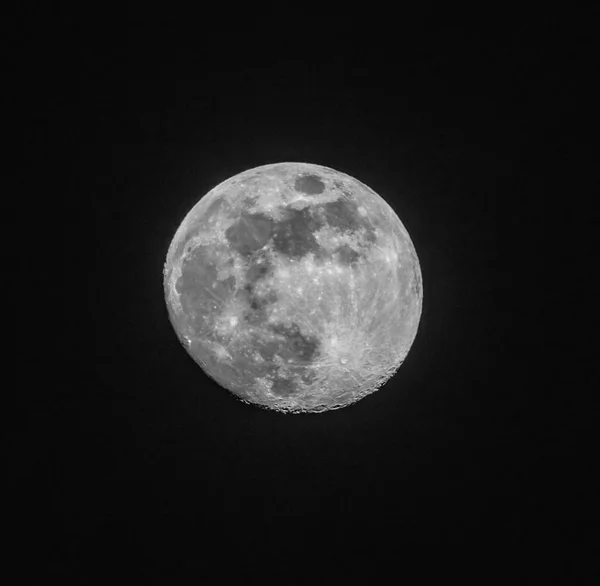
{"points": [[132, 465]]}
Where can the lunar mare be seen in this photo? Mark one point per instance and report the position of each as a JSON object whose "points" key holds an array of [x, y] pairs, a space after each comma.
{"points": [[294, 286]]}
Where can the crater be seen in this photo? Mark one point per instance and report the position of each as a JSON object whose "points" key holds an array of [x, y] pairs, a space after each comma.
{"points": [[309, 184]]}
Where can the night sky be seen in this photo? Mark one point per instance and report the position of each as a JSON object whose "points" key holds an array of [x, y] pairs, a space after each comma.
{"points": [[134, 466]]}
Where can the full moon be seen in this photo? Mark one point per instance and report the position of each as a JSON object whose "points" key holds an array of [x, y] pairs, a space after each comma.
{"points": [[294, 286]]}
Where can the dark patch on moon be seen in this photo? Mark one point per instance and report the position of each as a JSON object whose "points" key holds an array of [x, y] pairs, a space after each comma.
{"points": [[309, 185], [255, 306], [258, 270], [198, 278], [249, 233], [291, 344], [296, 347], [294, 235], [215, 207], [257, 303], [196, 271], [346, 255], [298, 350], [254, 303], [343, 214], [283, 387]]}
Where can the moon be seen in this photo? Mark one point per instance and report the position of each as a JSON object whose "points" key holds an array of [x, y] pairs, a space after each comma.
{"points": [[295, 287]]}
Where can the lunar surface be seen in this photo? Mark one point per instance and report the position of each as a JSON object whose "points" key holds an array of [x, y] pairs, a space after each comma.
{"points": [[294, 286]]}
